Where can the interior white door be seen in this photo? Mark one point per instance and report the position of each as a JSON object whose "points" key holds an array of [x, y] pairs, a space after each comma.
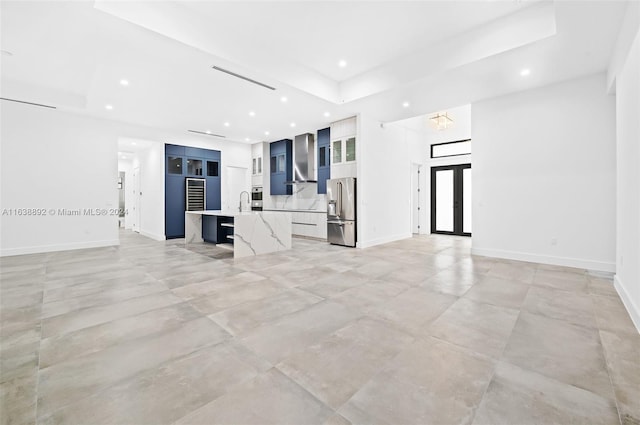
{"points": [[136, 200], [415, 198], [237, 180]]}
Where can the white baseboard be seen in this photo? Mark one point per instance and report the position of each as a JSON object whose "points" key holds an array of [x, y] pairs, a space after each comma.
{"points": [[153, 236], [380, 241], [632, 308], [57, 247], [545, 259]]}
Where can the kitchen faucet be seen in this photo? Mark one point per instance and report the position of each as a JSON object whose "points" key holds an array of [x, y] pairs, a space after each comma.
{"points": [[248, 199]]}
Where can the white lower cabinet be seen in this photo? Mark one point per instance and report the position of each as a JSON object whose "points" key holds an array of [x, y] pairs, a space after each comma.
{"points": [[309, 224]]}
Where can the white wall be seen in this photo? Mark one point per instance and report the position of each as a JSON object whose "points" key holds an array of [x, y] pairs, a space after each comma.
{"points": [[56, 160], [628, 180], [384, 182], [543, 169]]}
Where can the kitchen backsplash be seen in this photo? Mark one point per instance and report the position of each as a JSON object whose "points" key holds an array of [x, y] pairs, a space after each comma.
{"points": [[305, 197]]}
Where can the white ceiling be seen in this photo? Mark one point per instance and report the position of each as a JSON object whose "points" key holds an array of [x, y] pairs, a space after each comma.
{"points": [[434, 55], [364, 34]]}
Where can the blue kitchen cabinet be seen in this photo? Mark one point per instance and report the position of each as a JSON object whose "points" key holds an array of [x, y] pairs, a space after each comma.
{"points": [[174, 150], [183, 162], [174, 192], [324, 159], [281, 167], [212, 174]]}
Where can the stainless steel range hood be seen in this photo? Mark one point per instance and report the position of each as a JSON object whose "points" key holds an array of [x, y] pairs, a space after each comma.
{"points": [[304, 159]]}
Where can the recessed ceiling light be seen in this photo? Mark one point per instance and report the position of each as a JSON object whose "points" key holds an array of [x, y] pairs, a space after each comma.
{"points": [[292, 124], [109, 107], [525, 72], [246, 139], [133, 143], [6, 53], [283, 99], [124, 82], [252, 114], [405, 104], [226, 124], [342, 63], [327, 114], [266, 133]]}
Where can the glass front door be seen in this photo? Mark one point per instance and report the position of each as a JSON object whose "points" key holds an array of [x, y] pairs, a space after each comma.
{"points": [[451, 200]]}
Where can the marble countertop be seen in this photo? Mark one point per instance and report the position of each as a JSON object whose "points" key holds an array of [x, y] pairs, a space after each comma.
{"points": [[254, 232], [293, 210], [232, 213]]}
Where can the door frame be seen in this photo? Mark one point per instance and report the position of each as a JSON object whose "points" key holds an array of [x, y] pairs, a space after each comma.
{"points": [[137, 192], [458, 213], [416, 204]]}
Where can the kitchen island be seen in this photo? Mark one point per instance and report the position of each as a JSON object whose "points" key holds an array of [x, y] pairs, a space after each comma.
{"points": [[250, 233]]}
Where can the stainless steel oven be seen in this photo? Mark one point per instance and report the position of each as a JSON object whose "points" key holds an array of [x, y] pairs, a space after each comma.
{"points": [[256, 198]]}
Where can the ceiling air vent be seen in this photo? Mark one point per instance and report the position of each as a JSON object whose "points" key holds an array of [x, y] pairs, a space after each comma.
{"points": [[28, 103], [207, 133], [242, 77]]}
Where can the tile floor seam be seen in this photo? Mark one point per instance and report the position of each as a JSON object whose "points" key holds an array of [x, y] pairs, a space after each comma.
{"points": [[37, 388], [112, 304], [459, 347], [149, 335], [552, 378], [548, 376], [381, 368], [105, 303], [596, 328], [500, 359], [613, 388], [381, 371]]}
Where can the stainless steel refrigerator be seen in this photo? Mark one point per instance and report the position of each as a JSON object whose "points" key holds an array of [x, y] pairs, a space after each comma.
{"points": [[341, 211]]}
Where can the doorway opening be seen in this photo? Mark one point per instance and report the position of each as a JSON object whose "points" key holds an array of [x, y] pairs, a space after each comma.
{"points": [[451, 200], [237, 182]]}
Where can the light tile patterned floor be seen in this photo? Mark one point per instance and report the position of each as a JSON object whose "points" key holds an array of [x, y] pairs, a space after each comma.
{"points": [[412, 332]]}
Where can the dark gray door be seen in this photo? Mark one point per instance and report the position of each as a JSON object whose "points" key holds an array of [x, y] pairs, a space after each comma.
{"points": [[451, 200]]}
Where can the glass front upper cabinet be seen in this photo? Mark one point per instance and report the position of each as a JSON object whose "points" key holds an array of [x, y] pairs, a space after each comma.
{"points": [[277, 164], [212, 169], [343, 150], [257, 165], [194, 167], [174, 165], [351, 149], [322, 156], [337, 152]]}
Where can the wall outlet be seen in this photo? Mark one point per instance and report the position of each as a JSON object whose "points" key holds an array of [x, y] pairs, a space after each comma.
{"points": [[554, 241]]}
